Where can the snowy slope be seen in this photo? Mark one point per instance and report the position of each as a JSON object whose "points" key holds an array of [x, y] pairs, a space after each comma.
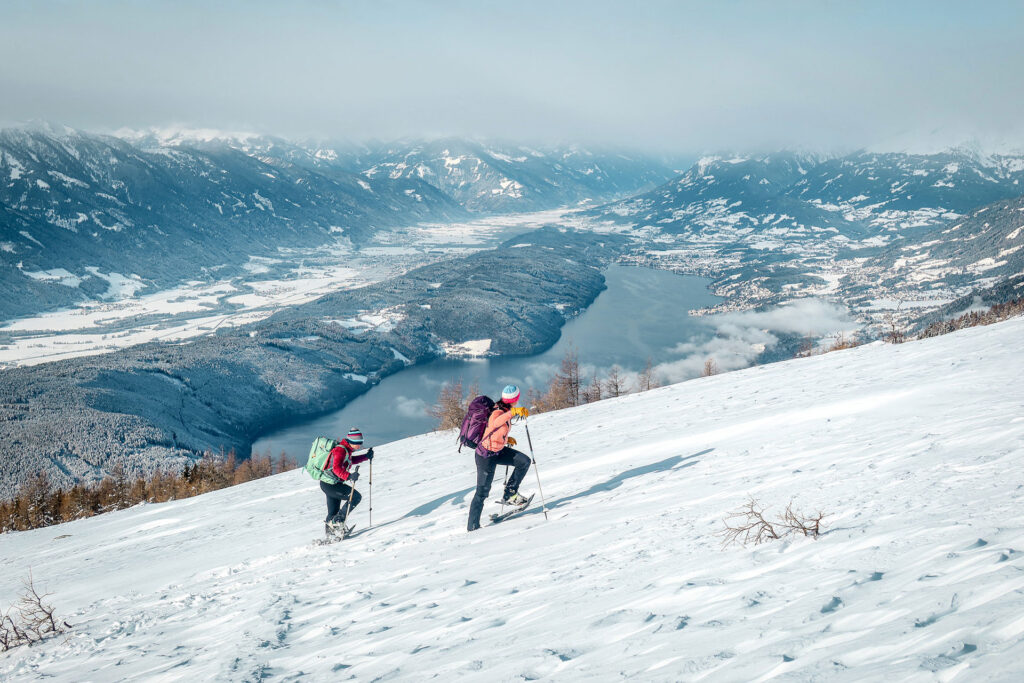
{"points": [[917, 451]]}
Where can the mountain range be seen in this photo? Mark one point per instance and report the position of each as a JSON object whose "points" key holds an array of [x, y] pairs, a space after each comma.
{"points": [[81, 213], [857, 194], [869, 229]]}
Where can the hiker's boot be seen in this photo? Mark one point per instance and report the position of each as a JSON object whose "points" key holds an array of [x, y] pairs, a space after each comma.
{"points": [[514, 499]]}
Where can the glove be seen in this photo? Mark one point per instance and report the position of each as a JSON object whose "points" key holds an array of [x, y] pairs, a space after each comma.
{"points": [[520, 411], [369, 454], [354, 476], [510, 441]]}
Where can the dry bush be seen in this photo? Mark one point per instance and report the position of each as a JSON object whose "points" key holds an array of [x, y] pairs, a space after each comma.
{"points": [[710, 368], [843, 342], [615, 385], [29, 621], [449, 409], [646, 380], [749, 525], [806, 349], [895, 335], [566, 389], [592, 392]]}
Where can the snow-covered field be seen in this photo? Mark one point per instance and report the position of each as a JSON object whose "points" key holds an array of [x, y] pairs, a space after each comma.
{"points": [[916, 452]]}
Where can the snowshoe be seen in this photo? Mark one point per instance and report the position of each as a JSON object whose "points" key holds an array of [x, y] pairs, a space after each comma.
{"points": [[497, 518], [337, 531]]}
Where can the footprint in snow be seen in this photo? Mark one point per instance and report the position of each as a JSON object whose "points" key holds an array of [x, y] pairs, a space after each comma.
{"points": [[947, 660], [832, 605]]}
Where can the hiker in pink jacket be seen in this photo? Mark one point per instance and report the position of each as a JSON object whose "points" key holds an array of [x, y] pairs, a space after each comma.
{"points": [[496, 449]]}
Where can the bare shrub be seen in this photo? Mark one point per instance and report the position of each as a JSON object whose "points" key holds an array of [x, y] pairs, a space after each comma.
{"points": [[30, 620], [449, 409], [646, 380], [749, 525], [710, 368], [806, 349], [796, 523], [843, 342], [615, 385], [565, 390], [592, 392], [895, 335]]}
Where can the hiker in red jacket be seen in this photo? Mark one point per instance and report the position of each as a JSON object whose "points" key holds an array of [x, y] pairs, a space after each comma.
{"points": [[338, 495]]}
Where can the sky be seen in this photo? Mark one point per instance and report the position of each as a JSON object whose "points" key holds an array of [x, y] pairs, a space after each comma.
{"points": [[670, 75]]}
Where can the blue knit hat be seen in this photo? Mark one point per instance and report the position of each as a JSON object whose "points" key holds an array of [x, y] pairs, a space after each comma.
{"points": [[354, 437], [510, 394]]}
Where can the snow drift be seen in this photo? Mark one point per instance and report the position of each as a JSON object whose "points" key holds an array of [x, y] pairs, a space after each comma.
{"points": [[915, 451]]}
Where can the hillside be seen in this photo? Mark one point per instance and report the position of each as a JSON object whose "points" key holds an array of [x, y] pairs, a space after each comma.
{"points": [[984, 245], [916, 452], [488, 177], [81, 214], [160, 404], [889, 235]]}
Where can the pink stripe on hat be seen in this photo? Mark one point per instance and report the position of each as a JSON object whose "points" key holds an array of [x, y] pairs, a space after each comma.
{"points": [[510, 394]]}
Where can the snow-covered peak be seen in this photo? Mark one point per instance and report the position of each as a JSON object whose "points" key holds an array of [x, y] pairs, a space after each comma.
{"points": [[183, 135]]}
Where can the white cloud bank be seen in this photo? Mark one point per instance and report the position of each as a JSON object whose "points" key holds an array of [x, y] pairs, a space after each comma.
{"points": [[742, 336]]}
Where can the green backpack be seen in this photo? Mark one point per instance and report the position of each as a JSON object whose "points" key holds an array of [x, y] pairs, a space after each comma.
{"points": [[319, 454]]}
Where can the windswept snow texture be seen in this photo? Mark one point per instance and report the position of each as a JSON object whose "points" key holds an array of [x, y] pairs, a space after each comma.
{"points": [[915, 451]]}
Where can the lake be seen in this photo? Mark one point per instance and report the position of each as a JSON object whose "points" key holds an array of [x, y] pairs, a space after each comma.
{"points": [[641, 315]]}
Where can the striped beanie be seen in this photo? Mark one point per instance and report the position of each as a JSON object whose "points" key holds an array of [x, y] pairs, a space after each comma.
{"points": [[510, 394], [354, 436]]}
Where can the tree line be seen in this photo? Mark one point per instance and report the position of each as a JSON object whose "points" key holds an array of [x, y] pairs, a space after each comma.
{"points": [[568, 388], [38, 504], [995, 313]]}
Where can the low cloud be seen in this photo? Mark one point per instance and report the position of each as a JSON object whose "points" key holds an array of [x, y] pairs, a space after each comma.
{"points": [[410, 407], [741, 337]]}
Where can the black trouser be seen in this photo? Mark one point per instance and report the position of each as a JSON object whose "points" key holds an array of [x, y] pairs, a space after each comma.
{"points": [[485, 475], [337, 500]]}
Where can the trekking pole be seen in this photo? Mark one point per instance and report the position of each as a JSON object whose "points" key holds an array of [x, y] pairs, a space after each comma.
{"points": [[351, 492], [535, 471], [503, 490], [371, 493]]}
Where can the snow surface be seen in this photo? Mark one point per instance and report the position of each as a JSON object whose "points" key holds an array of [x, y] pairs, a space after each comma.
{"points": [[916, 452]]}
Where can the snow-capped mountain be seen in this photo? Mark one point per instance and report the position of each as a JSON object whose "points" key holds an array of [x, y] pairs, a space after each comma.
{"points": [[488, 177], [78, 211], [732, 197], [782, 226], [857, 194], [914, 452], [484, 176], [984, 245]]}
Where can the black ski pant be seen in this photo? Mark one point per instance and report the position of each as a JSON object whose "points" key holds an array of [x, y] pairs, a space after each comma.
{"points": [[337, 500], [485, 476]]}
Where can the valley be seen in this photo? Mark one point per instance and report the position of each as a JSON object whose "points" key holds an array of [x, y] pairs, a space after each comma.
{"points": [[153, 369]]}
